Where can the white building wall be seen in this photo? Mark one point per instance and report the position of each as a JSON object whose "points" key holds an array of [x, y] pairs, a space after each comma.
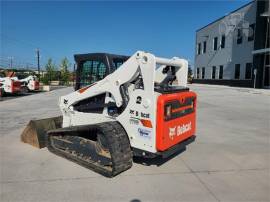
{"points": [[233, 53]]}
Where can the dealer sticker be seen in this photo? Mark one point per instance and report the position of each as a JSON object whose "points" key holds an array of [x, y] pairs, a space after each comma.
{"points": [[144, 133]]}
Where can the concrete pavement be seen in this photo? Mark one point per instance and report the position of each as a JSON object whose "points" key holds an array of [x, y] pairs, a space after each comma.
{"points": [[230, 160]]}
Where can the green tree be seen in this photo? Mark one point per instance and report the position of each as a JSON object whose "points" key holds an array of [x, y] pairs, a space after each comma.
{"points": [[64, 71], [190, 74], [50, 72]]}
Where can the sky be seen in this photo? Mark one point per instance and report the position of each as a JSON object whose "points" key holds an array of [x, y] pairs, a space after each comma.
{"points": [[64, 28]]}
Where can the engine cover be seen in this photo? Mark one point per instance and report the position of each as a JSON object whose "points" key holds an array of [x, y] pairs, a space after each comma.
{"points": [[176, 119]]}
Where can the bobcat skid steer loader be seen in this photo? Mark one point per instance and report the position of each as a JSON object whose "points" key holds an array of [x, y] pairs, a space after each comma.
{"points": [[143, 108], [30, 83]]}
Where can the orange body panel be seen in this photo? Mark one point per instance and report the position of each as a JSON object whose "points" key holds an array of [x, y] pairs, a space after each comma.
{"points": [[36, 85], [173, 131], [15, 86]]}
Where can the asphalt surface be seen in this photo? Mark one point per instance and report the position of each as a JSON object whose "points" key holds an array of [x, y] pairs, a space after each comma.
{"points": [[230, 160], [13, 96]]}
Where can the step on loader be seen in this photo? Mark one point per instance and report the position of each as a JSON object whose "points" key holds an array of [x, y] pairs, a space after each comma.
{"points": [[140, 107]]}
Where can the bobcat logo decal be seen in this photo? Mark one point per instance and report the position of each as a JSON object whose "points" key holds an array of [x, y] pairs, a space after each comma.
{"points": [[172, 132], [179, 130]]}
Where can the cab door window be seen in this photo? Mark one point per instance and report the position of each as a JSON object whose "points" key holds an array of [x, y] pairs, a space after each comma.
{"points": [[85, 74], [101, 71], [92, 71]]}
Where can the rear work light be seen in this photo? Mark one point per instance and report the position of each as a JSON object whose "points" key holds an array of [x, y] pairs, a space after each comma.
{"points": [[168, 111]]}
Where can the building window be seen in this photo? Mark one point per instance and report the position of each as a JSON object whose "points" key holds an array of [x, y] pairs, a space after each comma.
{"points": [[204, 47], [203, 72], [198, 72], [248, 71], [220, 76], [222, 42], [213, 72], [237, 71], [215, 43], [239, 36], [199, 49], [251, 32]]}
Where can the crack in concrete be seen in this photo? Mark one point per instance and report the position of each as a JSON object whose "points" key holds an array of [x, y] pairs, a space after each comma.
{"points": [[201, 181], [132, 175]]}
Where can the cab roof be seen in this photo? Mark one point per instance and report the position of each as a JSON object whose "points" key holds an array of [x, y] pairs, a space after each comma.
{"points": [[82, 57]]}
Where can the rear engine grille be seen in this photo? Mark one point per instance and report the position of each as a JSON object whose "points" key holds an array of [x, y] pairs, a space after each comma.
{"points": [[179, 108]]}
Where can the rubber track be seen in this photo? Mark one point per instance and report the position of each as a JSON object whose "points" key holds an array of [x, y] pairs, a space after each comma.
{"points": [[119, 148]]}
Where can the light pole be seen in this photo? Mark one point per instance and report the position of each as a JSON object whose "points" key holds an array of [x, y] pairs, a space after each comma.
{"points": [[38, 64], [255, 75]]}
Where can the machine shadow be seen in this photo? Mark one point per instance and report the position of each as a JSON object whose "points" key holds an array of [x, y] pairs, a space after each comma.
{"points": [[158, 161]]}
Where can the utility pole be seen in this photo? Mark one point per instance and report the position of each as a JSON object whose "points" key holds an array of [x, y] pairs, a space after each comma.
{"points": [[38, 57], [10, 62]]}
